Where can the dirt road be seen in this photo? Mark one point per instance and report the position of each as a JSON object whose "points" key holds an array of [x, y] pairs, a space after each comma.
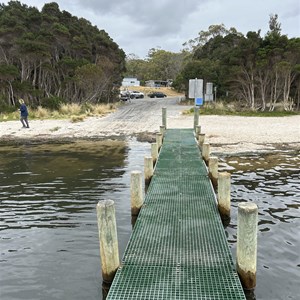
{"points": [[224, 133]]}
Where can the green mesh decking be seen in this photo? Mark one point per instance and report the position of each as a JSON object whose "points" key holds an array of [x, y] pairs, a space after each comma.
{"points": [[178, 248]]}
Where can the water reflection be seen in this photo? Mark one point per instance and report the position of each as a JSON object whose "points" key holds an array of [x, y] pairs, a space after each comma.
{"points": [[46, 186], [272, 182], [48, 195]]}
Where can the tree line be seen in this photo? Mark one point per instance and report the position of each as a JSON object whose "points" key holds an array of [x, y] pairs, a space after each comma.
{"points": [[260, 72], [48, 57]]}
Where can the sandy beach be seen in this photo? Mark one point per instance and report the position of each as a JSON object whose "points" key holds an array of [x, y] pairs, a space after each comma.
{"points": [[142, 118]]}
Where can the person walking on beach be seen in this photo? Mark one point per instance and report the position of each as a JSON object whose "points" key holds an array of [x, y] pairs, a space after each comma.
{"points": [[24, 114]]}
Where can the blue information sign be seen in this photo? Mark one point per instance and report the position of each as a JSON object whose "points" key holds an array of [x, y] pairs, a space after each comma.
{"points": [[198, 101]]}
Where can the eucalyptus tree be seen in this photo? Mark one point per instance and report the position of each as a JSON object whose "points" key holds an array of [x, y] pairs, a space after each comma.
{"points": [[283, 59], [216, 51], [8, 73], [260, 71], [289, 69], [246, 68], [43, 53], [159, 64], [136, 67]]}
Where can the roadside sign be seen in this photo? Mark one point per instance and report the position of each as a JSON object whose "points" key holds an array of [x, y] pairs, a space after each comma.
{"points": [[198, 101], [209, 88], [196, 88], [209, 97]]}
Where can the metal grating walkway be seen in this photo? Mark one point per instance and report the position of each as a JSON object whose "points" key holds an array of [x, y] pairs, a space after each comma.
{"points": [[178, 248]]}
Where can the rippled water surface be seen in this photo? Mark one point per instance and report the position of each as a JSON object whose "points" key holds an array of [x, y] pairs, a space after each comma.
{"points": [[272, 181], [48, 231], [48, 227]]}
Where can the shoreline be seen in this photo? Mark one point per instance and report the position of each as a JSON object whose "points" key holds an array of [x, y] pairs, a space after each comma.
{"points": [[218, 146], [141, 120]]}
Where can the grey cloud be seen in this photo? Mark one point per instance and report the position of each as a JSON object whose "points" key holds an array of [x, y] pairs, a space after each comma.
{"points": [[137, 25], [154, 18]]}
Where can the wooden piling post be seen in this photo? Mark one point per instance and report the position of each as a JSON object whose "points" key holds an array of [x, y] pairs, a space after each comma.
{"points": [[158, 140], [206, 152], [213, 170], [196, 117], [148, 169], [164, 117], [154, 152], [136, 192], [247, 244], [162, 130], [201, 138], [109, 250], [198, 130], [224, 198]]}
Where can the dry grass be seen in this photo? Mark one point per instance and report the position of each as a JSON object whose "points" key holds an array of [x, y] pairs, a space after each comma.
{"points": [[56, 114], [76, 112], [75, 119], [102, 109], [41, 113], [10, 116], [4, 117], [70, 109]]}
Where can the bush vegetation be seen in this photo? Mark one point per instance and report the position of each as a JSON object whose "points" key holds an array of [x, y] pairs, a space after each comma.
{"points": [[236, 109], [260, 71], [51, 57]]}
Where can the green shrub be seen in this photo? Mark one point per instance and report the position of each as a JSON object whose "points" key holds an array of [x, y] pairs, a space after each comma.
{"points": [[6, 108], [235, 109], [52, 103]]}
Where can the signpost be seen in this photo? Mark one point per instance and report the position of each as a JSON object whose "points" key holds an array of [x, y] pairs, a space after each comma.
{"points": [[196, 91], [199, 101], [215, 90], [209, 96]]}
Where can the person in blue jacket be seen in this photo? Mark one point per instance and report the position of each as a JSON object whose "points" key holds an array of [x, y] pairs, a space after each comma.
{"points": [[24, 114]]}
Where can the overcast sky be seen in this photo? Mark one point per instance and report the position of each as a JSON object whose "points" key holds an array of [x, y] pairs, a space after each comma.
{"points": [[137, 26]]}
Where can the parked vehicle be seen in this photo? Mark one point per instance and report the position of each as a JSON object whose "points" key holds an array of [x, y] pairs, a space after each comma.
{"points": [[157, 95], [124, 96], [136, 95]]}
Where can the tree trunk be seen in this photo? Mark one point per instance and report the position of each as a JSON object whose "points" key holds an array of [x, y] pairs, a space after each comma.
{"points": [[11, 94]]}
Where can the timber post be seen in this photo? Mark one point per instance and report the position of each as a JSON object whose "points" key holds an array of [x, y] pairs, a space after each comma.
{"points": [[109, 250], [246, 255]]}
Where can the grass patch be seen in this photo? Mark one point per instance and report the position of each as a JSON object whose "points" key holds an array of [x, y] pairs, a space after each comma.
{"points": [[40, 113], [13, 116], [233, 109], [4, 117], [75, 112], [75, 119], [70, 109], [101, 109]]}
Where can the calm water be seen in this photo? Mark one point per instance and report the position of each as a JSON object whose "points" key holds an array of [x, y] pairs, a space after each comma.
{"points": [[48, 231]]}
